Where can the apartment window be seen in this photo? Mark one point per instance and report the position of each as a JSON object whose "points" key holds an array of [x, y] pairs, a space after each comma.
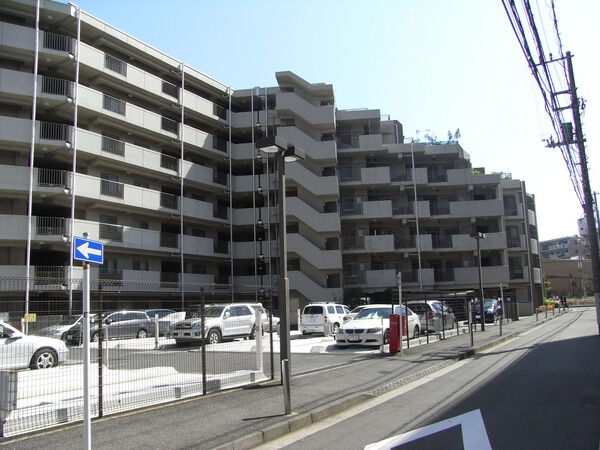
{"points": [[348, 205], [112, 144], [510, 206], [199, 269], [109, 185], [115, 64], [142, 184], [140, 264], [114, 104]]}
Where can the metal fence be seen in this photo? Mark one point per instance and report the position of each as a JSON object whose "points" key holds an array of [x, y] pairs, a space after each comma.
{"points": [[149, 344]]}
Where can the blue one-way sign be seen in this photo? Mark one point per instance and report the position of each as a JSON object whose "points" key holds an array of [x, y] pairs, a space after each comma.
{"points": [[90, 251]]}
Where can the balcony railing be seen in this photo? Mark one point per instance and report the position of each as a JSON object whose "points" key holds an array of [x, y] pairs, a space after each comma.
{"points": [[170, 89], [170, 240], [219, 177], [115, 64], [441, 241], [169, 277], [409, 242], [220, 212], [436, 209], [516, 274], [513, 243], [113, 146], [168, 162], [354, 278], [43, 273], [111, 232], [349, 173], [221, 247], [399, 209], [437, 177], [219, 111], [115, 276], [58, 42], [54, 131], [220, 143], [169, 125], [114, 104], [57, 86], [112, 188], [50, 226], [400, 174], [168, 200], [51, 178], [441, 275]]}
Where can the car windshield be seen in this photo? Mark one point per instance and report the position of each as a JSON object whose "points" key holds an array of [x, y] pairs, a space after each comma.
{"points": [[357, 309], [210, 311], [69, 320], [373, 313]]}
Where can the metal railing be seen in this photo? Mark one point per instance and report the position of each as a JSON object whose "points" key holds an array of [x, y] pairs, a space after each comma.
{"points": [[57, 86], [168, 200], [112, 188], [51, 178], [54, 131], [220, 143], [441, 241], [441, 275], [169, 125], [169, 240], [168, 162], [170, 89], [409, 242], [43, 273], [111, 232], [50, 226], [113, 146], [115, 64], [435, 209], [114, 104], [219, 111], [54, 41], [400, 174], [512, 243], [114, 275], [399, 209]]}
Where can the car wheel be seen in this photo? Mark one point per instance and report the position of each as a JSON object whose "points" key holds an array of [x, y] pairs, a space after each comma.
{"points": [[214, 336], [141, 334], [44, 359], [336, 328], [386, 337], [96, 337], [416, 331]]}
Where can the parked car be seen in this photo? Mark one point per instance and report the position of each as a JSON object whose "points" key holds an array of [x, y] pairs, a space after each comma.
{"points": [[119, 325], [61, 329], [167, 318], [434, 315], [492, 310], [371, 326], [221, 321], [315, 316], [19, 351], [352, 314]]}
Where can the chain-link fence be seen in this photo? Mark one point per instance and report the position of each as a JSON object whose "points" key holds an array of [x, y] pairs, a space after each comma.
{"points": [[149, 343]]}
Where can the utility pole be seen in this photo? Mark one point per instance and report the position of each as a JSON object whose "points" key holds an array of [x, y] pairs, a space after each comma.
{"points": [[588, 203]]}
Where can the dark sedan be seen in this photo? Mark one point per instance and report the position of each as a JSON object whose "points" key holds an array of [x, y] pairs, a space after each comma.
{"points": [[492, 310]]}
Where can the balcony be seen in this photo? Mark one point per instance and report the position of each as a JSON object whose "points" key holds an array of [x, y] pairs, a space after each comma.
{"points": [[115, 64], [112, 188], [477, 208], [113, 146], [490, 275], [58, 42], [322, 117]]}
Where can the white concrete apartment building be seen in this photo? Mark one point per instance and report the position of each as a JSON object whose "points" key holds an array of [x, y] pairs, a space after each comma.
{"points": [[158, 161]]}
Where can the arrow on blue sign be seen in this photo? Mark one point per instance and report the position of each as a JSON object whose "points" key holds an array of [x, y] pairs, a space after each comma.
{"points": [[90, 251]]}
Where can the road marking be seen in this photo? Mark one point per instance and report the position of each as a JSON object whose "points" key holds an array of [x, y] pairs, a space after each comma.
{"points": [[474, 434]]}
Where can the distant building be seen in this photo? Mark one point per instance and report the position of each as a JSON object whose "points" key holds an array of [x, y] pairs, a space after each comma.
{"points": [[572, 278], [563, 248]]}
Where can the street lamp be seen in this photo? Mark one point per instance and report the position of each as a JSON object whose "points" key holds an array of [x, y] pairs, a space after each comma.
{"points": [[284, 152], [477, 237]]}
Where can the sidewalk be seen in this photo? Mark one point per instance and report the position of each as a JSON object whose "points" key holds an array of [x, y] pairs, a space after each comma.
{"points": [[246, 417]]}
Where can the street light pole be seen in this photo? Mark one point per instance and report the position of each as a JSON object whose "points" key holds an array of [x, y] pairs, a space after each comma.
{"points": [[479, 236], [284, 153]]}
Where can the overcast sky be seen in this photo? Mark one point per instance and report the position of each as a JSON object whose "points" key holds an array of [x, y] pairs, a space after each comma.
{"points": [[433, 65]]}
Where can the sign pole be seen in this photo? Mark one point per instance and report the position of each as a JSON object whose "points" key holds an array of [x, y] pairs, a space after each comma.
{"points": [[87, 425]]}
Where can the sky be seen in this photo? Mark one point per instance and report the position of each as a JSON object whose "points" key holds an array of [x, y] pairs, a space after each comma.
{"points": [[437, 65]]}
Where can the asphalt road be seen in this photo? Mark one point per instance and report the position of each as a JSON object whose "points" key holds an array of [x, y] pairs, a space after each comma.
{"points": [[538, 391]]}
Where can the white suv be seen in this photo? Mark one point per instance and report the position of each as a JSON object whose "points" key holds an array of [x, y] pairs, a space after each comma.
{"points": [[317, 317], [221, 321]]}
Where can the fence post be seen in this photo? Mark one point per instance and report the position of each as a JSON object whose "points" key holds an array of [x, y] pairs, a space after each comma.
{"points": [[258, 339], [156, 331]]}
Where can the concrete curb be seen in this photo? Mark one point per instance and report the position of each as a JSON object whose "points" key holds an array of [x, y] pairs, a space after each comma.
{"points": [[299, 421]]}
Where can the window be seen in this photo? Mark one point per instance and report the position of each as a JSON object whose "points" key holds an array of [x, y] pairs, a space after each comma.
{"points": [[140, 264], [330, 309], [114, 104], [115, 64]]}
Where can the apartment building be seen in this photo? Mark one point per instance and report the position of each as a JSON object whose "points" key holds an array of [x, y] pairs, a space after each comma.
{"points": [[564, 248], [102, 134]]}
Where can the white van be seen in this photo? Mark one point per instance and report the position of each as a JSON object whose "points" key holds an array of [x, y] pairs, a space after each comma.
{"points": [[322, 318]]}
